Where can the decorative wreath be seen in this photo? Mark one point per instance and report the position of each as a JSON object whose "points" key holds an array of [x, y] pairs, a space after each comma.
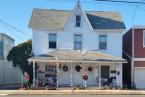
{"points": [[78, 68], [90, 68], [65, 68]]}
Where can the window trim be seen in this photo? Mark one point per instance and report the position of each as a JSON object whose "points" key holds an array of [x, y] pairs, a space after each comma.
{"points": [[56, 40], [77, 42], [106, 42], [78, 21], [143, 38]]}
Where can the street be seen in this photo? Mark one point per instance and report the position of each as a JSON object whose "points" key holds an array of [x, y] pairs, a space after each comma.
{"points": [[75, 96]]}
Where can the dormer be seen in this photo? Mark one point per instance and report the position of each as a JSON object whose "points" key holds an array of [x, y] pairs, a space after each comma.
{"points": [[78, 13]]}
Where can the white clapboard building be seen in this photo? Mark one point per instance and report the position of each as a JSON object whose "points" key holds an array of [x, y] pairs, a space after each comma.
{"points": [[71, 45]]}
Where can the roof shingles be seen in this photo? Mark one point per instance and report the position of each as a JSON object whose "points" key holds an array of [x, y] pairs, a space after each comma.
{"points": [[56, 19], [74, 55]]}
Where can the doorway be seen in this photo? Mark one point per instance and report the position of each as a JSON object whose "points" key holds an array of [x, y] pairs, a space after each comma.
{"points": [[105, 70]]}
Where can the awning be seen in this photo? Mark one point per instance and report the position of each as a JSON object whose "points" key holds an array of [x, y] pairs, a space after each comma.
{"points": [[77, 56]]}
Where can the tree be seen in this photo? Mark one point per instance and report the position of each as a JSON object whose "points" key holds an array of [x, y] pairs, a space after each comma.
{"points": [[19, 55]]}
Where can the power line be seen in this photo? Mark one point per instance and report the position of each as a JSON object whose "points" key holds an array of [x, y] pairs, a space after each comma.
{"points": [[134, 15], [7, 28], [131, 2], [141, 8], [12, 27]]}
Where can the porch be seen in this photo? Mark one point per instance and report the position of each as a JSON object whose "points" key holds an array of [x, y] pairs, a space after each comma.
{"points": [[68, 68]]}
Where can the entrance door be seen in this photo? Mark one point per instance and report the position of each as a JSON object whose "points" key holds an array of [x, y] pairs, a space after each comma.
{"points": [[78, 76], [105, 72], [104, 75], [50, 75]]}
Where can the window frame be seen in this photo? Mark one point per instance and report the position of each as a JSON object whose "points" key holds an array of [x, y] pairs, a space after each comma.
{"points": [[78, 42], [77, 21], [104, 42], [52, 41]]}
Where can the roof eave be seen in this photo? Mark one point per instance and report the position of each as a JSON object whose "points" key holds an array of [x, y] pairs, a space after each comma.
{"points": [[139, 27], [70, 61], [52, 29], [110, 30]]}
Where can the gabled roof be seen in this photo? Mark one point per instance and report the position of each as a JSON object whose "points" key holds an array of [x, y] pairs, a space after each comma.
{"points": [[74, 55], [53, 19], [56, 19], [105, 20]]}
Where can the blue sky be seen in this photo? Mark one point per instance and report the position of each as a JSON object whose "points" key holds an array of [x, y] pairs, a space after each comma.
{"points": [[18, 12]]}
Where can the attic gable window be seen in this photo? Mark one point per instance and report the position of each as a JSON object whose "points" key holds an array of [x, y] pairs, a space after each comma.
{"points": [[78, 20]]}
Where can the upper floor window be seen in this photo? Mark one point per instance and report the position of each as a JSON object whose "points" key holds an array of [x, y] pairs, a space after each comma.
{"points": [[77, 41], [52, 41], [143, 38], [78, 20], [103, 42]]}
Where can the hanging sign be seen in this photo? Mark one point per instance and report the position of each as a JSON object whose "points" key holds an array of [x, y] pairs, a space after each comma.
{"points": [[85, 77]]}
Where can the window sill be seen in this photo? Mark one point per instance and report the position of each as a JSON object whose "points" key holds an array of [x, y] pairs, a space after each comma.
{"points": [[102, 50], [52, 48]]}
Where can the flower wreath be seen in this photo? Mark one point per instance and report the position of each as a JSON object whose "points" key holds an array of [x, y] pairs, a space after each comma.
{"points": [[78, 68], [90, 68], [65, 68]]}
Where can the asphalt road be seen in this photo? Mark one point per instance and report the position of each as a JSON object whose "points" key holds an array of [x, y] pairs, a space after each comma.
{"points": [[75, 96]]}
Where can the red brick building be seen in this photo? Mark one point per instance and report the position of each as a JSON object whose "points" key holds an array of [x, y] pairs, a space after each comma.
{"points": [[134, 52]]}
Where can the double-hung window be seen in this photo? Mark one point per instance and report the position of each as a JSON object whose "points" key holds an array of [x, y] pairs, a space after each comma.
{"points": [[78, 20], [77, 41], [102, 42], [52, 41]]}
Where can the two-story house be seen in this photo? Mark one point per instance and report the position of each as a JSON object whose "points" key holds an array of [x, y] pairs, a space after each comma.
{"points": [[77, 47], [8, 74], [134, 52]]}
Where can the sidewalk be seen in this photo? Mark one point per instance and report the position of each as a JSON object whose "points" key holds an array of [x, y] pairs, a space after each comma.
{"points": [[72, 92]]}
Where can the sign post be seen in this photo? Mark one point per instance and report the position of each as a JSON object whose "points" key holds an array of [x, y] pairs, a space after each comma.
{"points": [[26, 78]]}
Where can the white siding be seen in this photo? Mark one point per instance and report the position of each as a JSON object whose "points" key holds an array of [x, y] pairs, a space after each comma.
{"points": [[66, 38], [115, 44], [9, 75], [40, 42], [119, 76], [66, 41]]}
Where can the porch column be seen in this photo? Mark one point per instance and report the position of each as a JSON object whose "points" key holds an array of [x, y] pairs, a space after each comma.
{"points": [[99, 71], [119, 74], [71, 74], [85, 74], [57, 74], [34, 82]]}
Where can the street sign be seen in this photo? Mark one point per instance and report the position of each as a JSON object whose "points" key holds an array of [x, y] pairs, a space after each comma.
{"points": [[85, 77], [26, 76]]}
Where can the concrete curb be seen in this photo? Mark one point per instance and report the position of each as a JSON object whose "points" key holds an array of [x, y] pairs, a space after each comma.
{"points": [[71, 92]]}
